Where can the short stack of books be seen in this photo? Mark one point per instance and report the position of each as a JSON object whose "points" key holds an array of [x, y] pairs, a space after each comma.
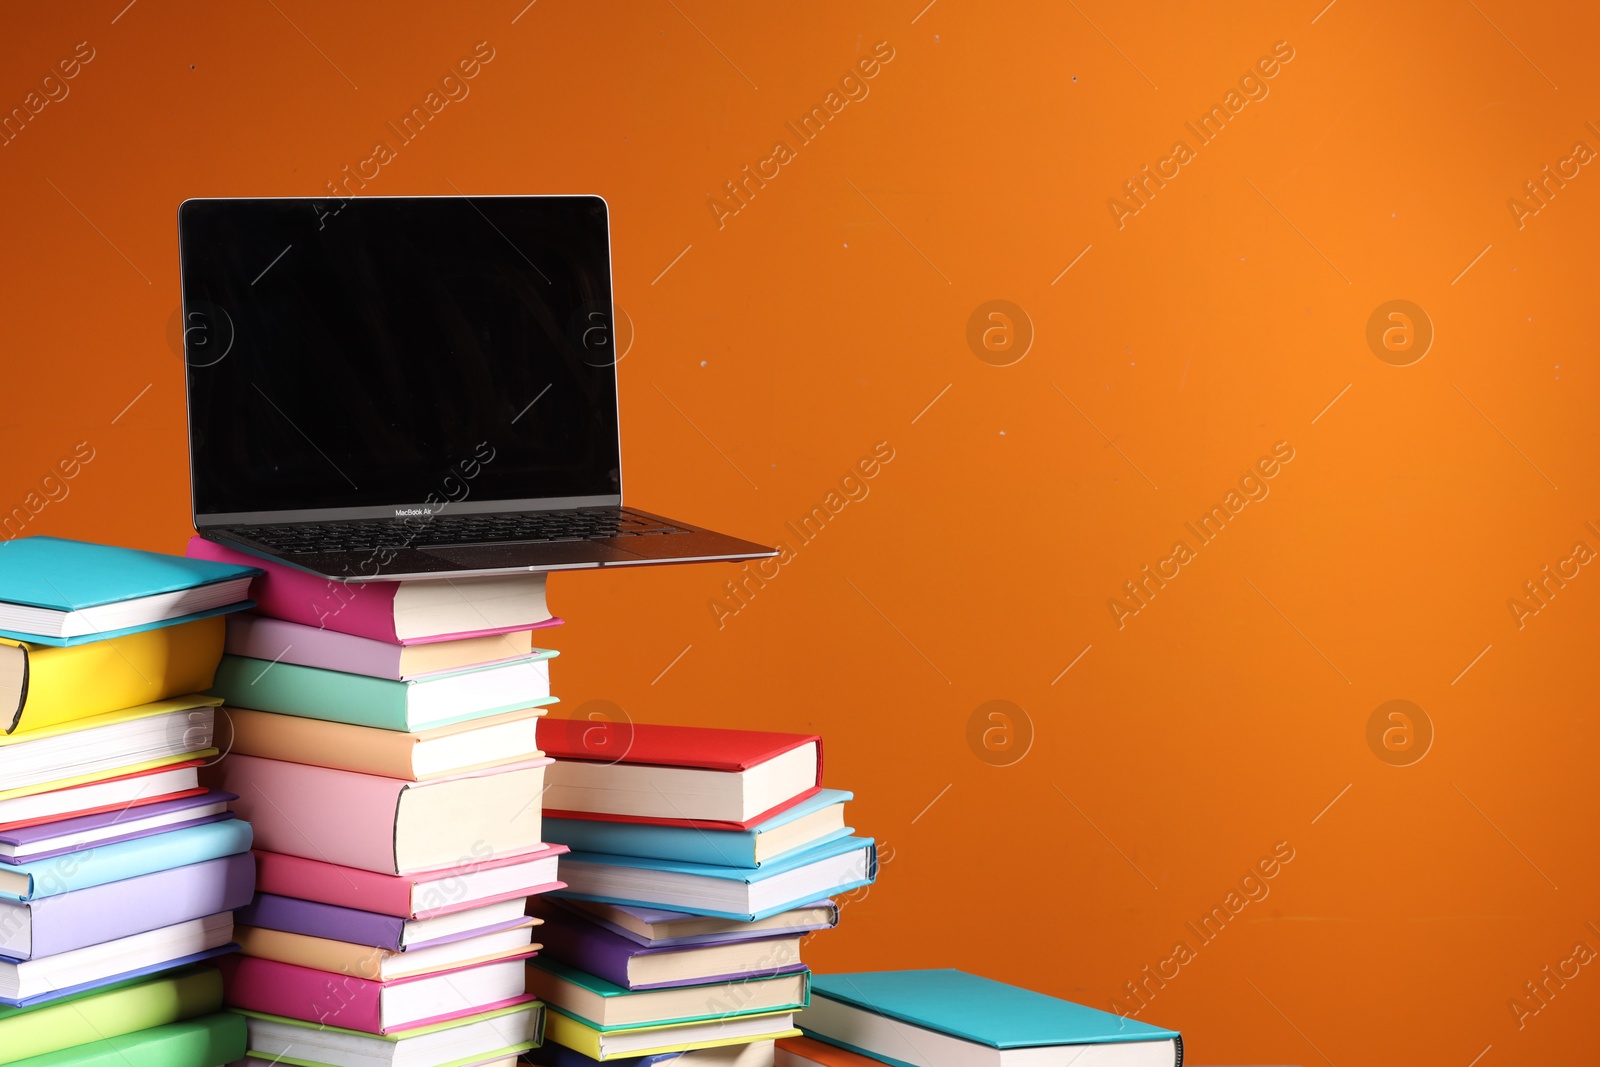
{"points": [[383, 740], [119, 872], [948, 1018], [701, 860]]}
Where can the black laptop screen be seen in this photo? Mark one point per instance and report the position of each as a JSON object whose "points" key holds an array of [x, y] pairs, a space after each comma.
{"points": [[394, 352]]}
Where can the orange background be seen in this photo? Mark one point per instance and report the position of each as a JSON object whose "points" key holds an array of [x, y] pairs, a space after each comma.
{"points": [[825, 316]]}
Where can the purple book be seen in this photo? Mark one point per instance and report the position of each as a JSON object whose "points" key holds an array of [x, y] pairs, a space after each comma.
{"points": [[577, 942], [48, 840], [367, 928], [30, 929], [660, 916]]}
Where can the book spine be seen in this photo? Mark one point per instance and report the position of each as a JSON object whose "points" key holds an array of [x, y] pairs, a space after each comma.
{"points": [[312, 996], [312, 692], [364, 610]]}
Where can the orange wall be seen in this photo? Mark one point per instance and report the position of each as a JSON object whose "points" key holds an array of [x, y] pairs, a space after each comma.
{"points": [[1188, 340]]}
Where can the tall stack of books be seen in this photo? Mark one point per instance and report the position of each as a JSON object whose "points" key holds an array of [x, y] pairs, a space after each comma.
{"points": [[948, 1018], [701, 860], [383, 740], [119, 872]]}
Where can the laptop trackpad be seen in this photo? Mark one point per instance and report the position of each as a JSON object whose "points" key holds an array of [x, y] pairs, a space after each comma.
{"points": [[531, 554]]}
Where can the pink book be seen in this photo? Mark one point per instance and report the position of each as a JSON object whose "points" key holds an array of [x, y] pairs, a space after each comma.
{"points": [[386, 825], [402, 613], [343, 1000], [278, 641], [480, 878]]}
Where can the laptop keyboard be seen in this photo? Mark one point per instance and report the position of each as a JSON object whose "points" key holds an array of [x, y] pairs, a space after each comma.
{"points": [[361, 535]]}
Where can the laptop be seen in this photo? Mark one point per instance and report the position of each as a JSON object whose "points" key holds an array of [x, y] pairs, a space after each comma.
{"points": [[388, 388]]}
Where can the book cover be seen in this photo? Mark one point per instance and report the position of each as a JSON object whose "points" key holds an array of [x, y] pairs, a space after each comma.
{"points": [[110, 1012], [975, 1009], [569, 1030], [48, 840], [127, 859], [367, 749], [408, 896], [206, 1041], [576, 942], [724, 997], [728, 848], [356, 699], [42, 685], [291, 806], [54, 574], [509, 1026], [339, 1000], [697, 747], [660, 916], [125, 907], [363, 609]]}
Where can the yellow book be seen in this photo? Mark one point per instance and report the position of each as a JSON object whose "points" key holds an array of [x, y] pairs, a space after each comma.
{"points": [[43, 686], [715, 1032]]}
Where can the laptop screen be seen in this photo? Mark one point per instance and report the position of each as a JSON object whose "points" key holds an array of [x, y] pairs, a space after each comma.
{"points": [[351, 357]]}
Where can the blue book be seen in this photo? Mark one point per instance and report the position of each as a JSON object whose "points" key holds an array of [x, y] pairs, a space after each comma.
{"points": [[923, 1018], [743, 893], [805, 825], [100, 864], [59, 592]]}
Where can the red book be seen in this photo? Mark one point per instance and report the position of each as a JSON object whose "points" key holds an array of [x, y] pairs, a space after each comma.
{"points": [[676, 775]]}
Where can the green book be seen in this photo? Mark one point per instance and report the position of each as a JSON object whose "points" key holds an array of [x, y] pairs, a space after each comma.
{"points": [[606, 1006], [108, 1012], [385, 703], [204, 1042], [459, 1042]]}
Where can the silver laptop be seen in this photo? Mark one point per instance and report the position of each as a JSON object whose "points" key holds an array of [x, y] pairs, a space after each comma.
{"points": [[388, 388]]}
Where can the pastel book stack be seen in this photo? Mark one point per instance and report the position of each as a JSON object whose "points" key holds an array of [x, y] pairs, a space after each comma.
{"points": [[949, 1018], [384, 741], [701, 860], [119, 870]]}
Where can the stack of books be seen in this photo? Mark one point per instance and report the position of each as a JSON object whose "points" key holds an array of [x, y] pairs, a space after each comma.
{"points": [[702, 858], [383, 741], [119, 872], [948, 1018]]}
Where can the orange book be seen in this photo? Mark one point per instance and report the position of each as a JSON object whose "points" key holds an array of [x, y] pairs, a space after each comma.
{"points": [[805, 1052]]}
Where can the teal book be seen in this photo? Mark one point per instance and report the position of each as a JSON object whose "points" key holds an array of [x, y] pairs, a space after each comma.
{"points": [[101, 864], [805, 825], [385, 703], [59, 592], [939, 1017], [208, 1041], [716, 890]]}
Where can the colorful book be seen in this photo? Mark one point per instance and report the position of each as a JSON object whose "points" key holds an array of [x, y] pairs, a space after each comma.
{"points": [[42, 686], [477, 878], [435, 700], [437, 752], [110, 1012], [353, 1003], [569, 1030], [661, 928], [207, 1041], [59, 592], [808, 1052], [728, 892], [279, 641], [607, 1006], [31, 929], [384, 825], [43, 841], [51, 978], [118, 793], [485, 1038], [97, 776], [390, 932], [811, 822], [628, 965], [939, 1018], [677, 775], [382, 965], [125, 859], [402, 613], [175, 728], [747, 1054]]}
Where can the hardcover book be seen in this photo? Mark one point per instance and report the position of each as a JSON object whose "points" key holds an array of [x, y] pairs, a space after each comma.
{"points": [[485, 1039], [125, 859], [126, 1008], [279, 641]]}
